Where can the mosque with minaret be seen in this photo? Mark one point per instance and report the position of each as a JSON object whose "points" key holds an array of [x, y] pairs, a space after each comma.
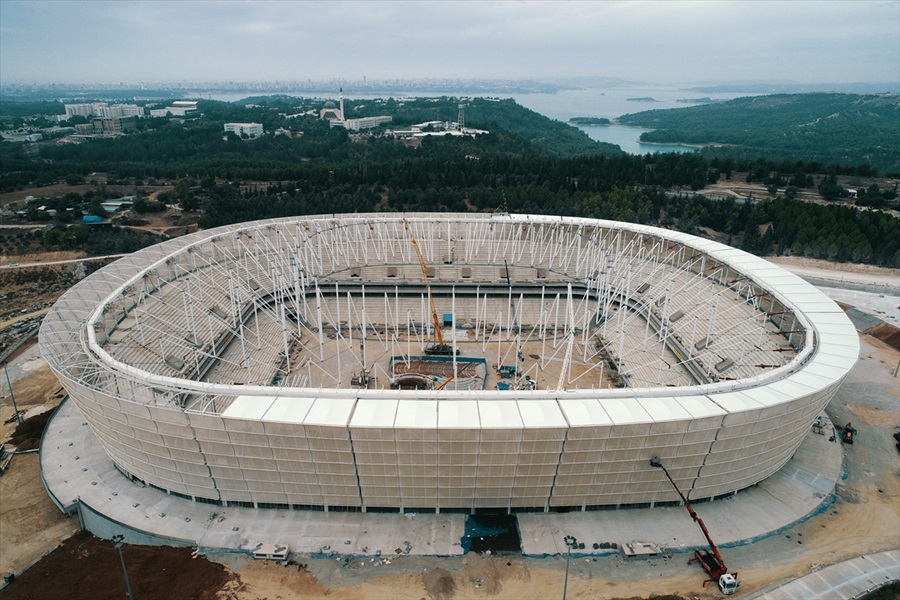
{"points": [[335, 116]]}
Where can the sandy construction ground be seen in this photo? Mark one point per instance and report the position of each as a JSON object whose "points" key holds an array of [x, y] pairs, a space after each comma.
{"points": [[879, 297], [30, 523], [841, 272]]}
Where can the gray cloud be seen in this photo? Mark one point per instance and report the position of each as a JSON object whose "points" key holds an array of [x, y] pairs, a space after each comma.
{"points": [[663, 41]]}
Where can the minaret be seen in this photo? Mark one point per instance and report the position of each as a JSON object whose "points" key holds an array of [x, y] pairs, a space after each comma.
{"points": [[342, 103]]}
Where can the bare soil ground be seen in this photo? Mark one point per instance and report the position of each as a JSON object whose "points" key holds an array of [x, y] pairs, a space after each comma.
{"points": [[57, 190], [33, 288], [172, 222], [87, 568], [30, 523], [848, 272]]}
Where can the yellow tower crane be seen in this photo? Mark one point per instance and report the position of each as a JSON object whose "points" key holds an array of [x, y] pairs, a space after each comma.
{"points": [[441, 348]]}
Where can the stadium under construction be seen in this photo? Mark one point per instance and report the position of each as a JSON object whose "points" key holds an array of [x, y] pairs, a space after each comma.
{"points": [[446, 363]]}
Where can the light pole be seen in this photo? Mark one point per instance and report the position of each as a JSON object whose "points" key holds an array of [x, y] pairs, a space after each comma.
{"points": [[11, 395], [117, 540], [570, 541]]}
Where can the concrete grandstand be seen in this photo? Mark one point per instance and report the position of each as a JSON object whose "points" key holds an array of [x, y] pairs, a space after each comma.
{"points": [[286, 363]]}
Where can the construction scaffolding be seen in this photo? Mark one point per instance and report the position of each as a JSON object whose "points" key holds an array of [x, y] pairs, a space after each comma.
{"points": [[309, 306]]}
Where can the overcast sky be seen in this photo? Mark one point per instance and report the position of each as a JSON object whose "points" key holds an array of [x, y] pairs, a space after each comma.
{"points": [[662, 41]]}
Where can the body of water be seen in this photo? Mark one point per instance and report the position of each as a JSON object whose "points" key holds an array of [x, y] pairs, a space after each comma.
{"points": [[629, 139], [610, 103], [613, 102]]}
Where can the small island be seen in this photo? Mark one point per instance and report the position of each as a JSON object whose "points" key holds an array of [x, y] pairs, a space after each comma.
{"points": [[642, 99], [589, 121]]}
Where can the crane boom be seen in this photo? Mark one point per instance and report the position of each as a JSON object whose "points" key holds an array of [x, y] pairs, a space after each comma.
{"points": [[713, 564], [446, 382], [440, 347]]}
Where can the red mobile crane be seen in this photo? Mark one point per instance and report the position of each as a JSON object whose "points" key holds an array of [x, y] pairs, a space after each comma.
{"points": [[712, 563]]}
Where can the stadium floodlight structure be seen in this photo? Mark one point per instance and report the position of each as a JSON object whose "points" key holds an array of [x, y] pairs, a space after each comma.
{"points": [[280, 363]]}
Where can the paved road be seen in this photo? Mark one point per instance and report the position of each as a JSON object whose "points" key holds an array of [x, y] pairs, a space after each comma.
{"points": [[44, 263], [848, 580]]}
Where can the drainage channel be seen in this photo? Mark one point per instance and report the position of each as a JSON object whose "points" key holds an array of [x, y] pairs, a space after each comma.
{"points": [[496, 534]]}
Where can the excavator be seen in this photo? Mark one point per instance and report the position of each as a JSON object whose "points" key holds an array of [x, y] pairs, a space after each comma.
{"points": [[441, 348], [711, 561]]}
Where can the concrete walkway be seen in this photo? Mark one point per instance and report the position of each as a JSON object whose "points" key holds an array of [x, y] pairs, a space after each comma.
{"points": [[848, 580]]}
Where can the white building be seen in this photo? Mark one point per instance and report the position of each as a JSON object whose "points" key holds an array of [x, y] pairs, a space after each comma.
{"points": [[179, 108], [84, 109], [438, 128], [251, 130], [120, 110], [362, 123], [333, 113], [114, 206], [102, 109]]}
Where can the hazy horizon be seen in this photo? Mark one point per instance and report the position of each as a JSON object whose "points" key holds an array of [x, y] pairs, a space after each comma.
{"points": [[800, 43]]}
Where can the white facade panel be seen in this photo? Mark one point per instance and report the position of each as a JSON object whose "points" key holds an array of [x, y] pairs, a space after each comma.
{"points": [[663, 409], [458, 414], [541, 414], [374, 413], [585, 413], [421, 414], [700, 407], [330, 412], [288, 410], [499, 414], [248, 407]]}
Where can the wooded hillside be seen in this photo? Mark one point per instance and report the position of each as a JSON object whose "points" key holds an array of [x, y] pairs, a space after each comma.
{"points": [[846, 129]]}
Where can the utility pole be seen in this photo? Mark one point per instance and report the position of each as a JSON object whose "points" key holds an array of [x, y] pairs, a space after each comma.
{"points": [[117, 540], [570, 541], [11, 395]]}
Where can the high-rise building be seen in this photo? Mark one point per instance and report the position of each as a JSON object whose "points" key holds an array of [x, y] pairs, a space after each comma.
{"points": [[84, 109], [120, 110]]}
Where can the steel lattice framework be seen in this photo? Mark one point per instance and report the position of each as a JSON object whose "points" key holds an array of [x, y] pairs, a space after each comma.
{"points": [[254, 363]]}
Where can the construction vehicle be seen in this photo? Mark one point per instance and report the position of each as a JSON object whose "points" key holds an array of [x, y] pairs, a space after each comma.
{"points": [[5, 458], [508, 371], [361, 380], [711, 561], [441, 348], [848, 434]]}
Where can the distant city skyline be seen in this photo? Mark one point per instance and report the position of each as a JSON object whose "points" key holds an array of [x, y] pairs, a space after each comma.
{"points": [[665, 42]]}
